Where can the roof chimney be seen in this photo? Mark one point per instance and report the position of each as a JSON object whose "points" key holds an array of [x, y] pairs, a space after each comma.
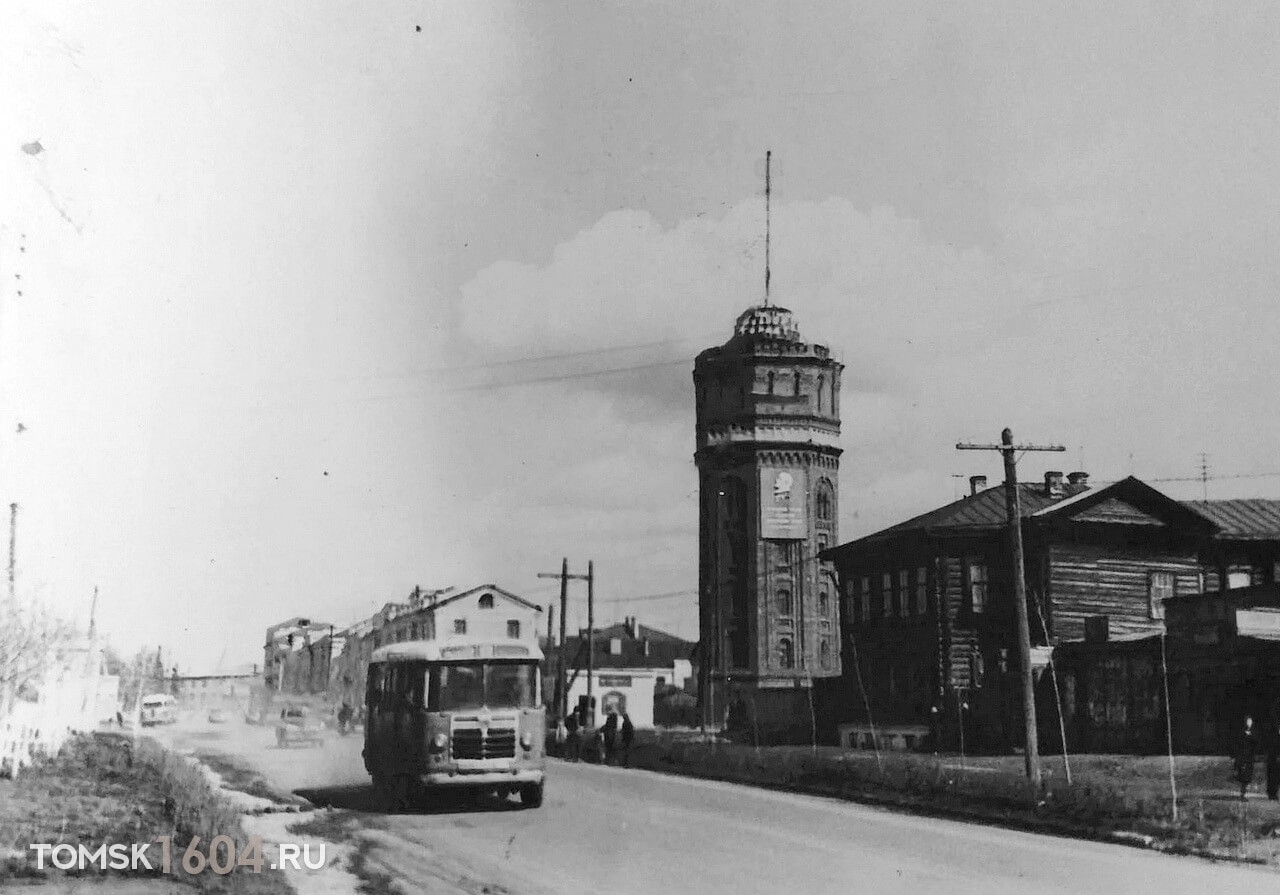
{"points": [[629, 623], [1079, 481], [1053, 484], [977, 483]]}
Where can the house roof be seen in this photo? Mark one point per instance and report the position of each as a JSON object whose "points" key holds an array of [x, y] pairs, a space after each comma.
{"points": [[664, 648], [1128, 501], [486, 588], [1244, 520]]}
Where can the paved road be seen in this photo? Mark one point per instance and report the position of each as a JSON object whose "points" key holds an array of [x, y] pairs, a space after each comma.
{"points": [[607, 830]]}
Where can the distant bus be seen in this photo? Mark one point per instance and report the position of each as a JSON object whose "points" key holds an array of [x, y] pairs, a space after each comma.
{"points": [[159, 708], [459, 714]]}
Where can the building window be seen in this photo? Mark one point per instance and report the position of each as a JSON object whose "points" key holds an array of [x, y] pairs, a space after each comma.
{"points": [[922, 591], [1159, 586], [819, 394], [824, 502], [1239, 577], [823, 604], [977, 587], [886, 595], [797, 383], [904, 594], [459, 626], [486, 601], [784, 602], [977, 669], [772, 375], [615, 646], [513, 629], [865, 598], [786, 655], [824, 653]]}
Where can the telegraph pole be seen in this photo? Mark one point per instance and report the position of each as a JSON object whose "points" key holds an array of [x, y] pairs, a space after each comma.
{"points": [[591, 638], [1013, 509], [562, 700]]}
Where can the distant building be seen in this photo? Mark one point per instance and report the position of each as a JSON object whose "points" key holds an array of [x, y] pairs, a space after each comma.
{"points": [[486, 611], [216, 685], [289, 656], [768, 433], [633, 664]]}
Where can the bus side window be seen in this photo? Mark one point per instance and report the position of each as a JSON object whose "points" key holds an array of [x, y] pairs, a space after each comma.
{"points": [[413, 684], [433, 689], [373, 687]]}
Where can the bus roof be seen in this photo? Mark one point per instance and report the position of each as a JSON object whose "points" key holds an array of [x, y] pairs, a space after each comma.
{"points": [[455, 649]]}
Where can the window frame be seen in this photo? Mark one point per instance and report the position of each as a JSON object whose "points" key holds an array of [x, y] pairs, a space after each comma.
{"points": [[977, 584], [922, 591], [1156, 594]]}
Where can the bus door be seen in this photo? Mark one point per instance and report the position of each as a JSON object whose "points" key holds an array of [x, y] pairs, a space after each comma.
{"points": [[410, 713]]}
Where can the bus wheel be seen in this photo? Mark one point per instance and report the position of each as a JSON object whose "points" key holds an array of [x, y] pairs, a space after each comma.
{"points": [[531, 795]]}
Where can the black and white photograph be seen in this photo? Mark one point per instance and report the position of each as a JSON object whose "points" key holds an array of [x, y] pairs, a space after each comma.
{"points": [[524, 447]]}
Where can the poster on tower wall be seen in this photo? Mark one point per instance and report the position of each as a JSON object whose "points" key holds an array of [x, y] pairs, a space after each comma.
{"points": [[783, 505]]}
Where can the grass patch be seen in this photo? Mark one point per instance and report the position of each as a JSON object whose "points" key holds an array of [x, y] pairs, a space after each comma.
{"points": [[1109, 796], [101, 789], [239, 776]]}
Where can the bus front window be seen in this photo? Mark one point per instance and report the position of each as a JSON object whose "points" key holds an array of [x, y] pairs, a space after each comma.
{"points": [[511, 685], [461, 686]]}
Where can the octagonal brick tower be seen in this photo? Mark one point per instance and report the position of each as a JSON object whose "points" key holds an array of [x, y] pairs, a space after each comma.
{"points": [[768, 434]]}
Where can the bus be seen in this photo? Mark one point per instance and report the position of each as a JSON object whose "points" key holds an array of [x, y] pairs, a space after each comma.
{"points": [[461, 714], [158, 708]]}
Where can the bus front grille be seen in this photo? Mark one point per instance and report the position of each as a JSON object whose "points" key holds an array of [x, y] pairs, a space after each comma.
{"points": [[473, 743]]}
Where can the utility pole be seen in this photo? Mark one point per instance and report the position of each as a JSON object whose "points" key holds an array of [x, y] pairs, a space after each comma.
{"points": [[562, 699], [591, 638], [1013, 509]]}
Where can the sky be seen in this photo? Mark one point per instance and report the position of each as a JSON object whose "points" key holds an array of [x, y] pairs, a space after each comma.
{"points": [[305, 304]]}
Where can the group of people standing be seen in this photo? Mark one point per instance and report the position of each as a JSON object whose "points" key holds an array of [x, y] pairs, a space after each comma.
{"points": [[612, 741], [1251, 742]]}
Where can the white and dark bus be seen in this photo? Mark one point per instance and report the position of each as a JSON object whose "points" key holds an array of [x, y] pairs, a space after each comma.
{"points": [[456, 714]]}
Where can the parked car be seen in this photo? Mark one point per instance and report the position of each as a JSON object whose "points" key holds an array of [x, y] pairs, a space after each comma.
{"points": [[217, 716], [298, 725]]}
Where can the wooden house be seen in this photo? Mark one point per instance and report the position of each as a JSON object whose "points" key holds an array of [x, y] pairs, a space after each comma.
{"points": [[929, 629]]}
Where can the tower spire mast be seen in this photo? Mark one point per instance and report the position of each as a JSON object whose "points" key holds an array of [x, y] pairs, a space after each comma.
{"points": [[768, 191]]}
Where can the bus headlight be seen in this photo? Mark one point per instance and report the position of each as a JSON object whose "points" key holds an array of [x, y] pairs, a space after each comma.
{"points": [[526, 740], [439, 742]]}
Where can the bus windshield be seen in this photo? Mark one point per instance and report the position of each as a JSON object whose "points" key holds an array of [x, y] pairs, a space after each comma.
{"points": [[473, 684]]}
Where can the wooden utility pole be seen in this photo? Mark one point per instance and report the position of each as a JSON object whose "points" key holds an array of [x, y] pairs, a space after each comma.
{"points": [[562, 698], [591, 638], [1013, 510]]}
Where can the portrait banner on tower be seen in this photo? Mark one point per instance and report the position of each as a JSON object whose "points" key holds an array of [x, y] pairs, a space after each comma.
{"points": [[783, 504]]}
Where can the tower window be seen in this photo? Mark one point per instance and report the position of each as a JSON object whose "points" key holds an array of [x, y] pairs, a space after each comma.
{"points": [[784, 602], [486, 601], [771, 378], [824, 653], [797, 383], [823, 603], [824, 504], [786, 654], [820, 383]]}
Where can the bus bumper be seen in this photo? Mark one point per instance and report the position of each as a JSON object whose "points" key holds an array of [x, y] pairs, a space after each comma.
{"points": [[485, 778]]}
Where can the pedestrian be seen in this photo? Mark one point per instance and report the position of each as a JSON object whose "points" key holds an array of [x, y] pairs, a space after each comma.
{"points": [[1246, 750], [571, 737], [628, 735], [1273, 758], [610, 733]]}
